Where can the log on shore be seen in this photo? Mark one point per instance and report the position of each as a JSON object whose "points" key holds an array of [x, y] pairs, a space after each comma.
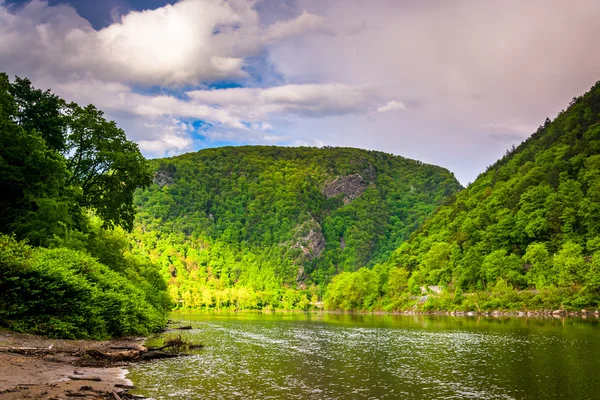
{"points": [[85, 378]]}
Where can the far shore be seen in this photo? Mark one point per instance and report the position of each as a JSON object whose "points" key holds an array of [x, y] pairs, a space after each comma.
{"points": [[583, 314]]}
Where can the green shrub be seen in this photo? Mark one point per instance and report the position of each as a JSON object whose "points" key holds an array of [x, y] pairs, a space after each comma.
{"points": [[69, 294]]}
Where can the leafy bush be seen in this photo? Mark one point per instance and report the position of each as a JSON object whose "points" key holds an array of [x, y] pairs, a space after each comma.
{"points": [[69, 294]]}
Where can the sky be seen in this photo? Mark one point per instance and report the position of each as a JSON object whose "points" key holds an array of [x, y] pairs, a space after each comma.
{"points": [[451, 83]]}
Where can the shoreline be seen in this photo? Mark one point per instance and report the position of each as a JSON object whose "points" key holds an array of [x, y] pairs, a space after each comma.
{"points": [[61, 370], [584, 314]]}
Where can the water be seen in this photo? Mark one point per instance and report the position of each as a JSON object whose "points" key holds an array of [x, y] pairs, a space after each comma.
{"points": [[328, 356]]}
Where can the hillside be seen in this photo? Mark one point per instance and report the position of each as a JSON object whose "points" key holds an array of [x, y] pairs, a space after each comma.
{"points": [[525, 234], [263, 227]]}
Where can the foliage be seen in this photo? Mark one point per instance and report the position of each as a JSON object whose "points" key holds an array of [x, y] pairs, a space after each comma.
{"points": [[58, 160], [252, 228], [525, 234], [66, 293], [66, 174], [104, 165]]}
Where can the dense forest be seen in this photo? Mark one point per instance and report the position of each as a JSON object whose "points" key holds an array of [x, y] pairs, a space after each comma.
{"points": [[67, 178], [96, 241], [525, 235], [268, 227]]}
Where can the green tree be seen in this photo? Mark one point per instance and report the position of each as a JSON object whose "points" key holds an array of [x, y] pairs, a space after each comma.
{"points": [[40, 111], [569, 265], [539, 273], [104, 165], [33, 199]]}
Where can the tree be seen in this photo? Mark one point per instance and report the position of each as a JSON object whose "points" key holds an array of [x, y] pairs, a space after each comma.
{"points": [[32, 178], [104, 165], [570, 265], [40, 111], [539, 273], [58, 159]]}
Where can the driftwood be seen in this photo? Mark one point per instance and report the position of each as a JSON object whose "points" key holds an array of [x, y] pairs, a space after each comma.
{"points": [[166, 346], [130, 347], [26, 350], [176, 343], [131, 355], [126, 355], [35, 351], [121, 353], [122, 386], [85, 378]]}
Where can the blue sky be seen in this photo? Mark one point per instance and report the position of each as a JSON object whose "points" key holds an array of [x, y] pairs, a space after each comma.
{"points": [[99, 13], [448, 83]]}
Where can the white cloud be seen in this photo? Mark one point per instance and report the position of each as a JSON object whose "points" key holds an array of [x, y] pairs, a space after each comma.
{"points": [[174, 137], [314, 100], [463, 65], [189, 42], [157, 122], [229, 107], [304, 22], [391, 105], [462, 69]]}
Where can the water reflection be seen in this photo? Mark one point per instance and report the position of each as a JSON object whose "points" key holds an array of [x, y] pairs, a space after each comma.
{"points": [[341, 356]]}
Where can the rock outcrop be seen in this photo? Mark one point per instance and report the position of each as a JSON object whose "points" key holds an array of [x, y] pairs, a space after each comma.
{"points": [[309, 238], [351, 186], [164, 176]]}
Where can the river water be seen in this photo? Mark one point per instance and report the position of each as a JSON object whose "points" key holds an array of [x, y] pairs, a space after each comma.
{"points": [[332, 356]]}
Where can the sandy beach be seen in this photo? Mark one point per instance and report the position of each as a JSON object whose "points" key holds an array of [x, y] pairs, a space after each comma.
{"points": [[34, 367]]}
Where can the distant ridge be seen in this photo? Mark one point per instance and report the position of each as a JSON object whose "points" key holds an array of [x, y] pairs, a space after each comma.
{"points": [[239, 227]]}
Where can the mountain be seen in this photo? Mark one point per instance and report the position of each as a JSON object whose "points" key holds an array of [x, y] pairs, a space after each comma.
{"points": [[266, 227], [525, 235]]}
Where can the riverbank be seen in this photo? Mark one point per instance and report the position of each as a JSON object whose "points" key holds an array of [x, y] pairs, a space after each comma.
{"points": [[583, 314], [34, 367]]}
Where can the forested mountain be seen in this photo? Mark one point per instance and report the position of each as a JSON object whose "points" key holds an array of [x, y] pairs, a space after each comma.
{"points": [[67, 178], [525, 234], [261, 227]]}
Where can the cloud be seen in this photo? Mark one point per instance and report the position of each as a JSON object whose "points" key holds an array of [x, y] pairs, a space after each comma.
{"points": [[509, 132], [303, 23], [310, 100], [174, 137], [471, 63], [391, 105], [474, 75], [230, 107], [189, 42], [161, 122]]}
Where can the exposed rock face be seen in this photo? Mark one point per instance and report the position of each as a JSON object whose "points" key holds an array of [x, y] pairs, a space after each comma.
{"points": [[310, 239], [164, 176], [351, 186]]}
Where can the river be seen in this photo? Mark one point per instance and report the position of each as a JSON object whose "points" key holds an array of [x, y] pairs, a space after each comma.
{"points": [[333, 356]]}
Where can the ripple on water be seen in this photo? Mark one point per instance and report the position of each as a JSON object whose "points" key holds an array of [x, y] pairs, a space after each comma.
{"points": [[270, 358]]}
